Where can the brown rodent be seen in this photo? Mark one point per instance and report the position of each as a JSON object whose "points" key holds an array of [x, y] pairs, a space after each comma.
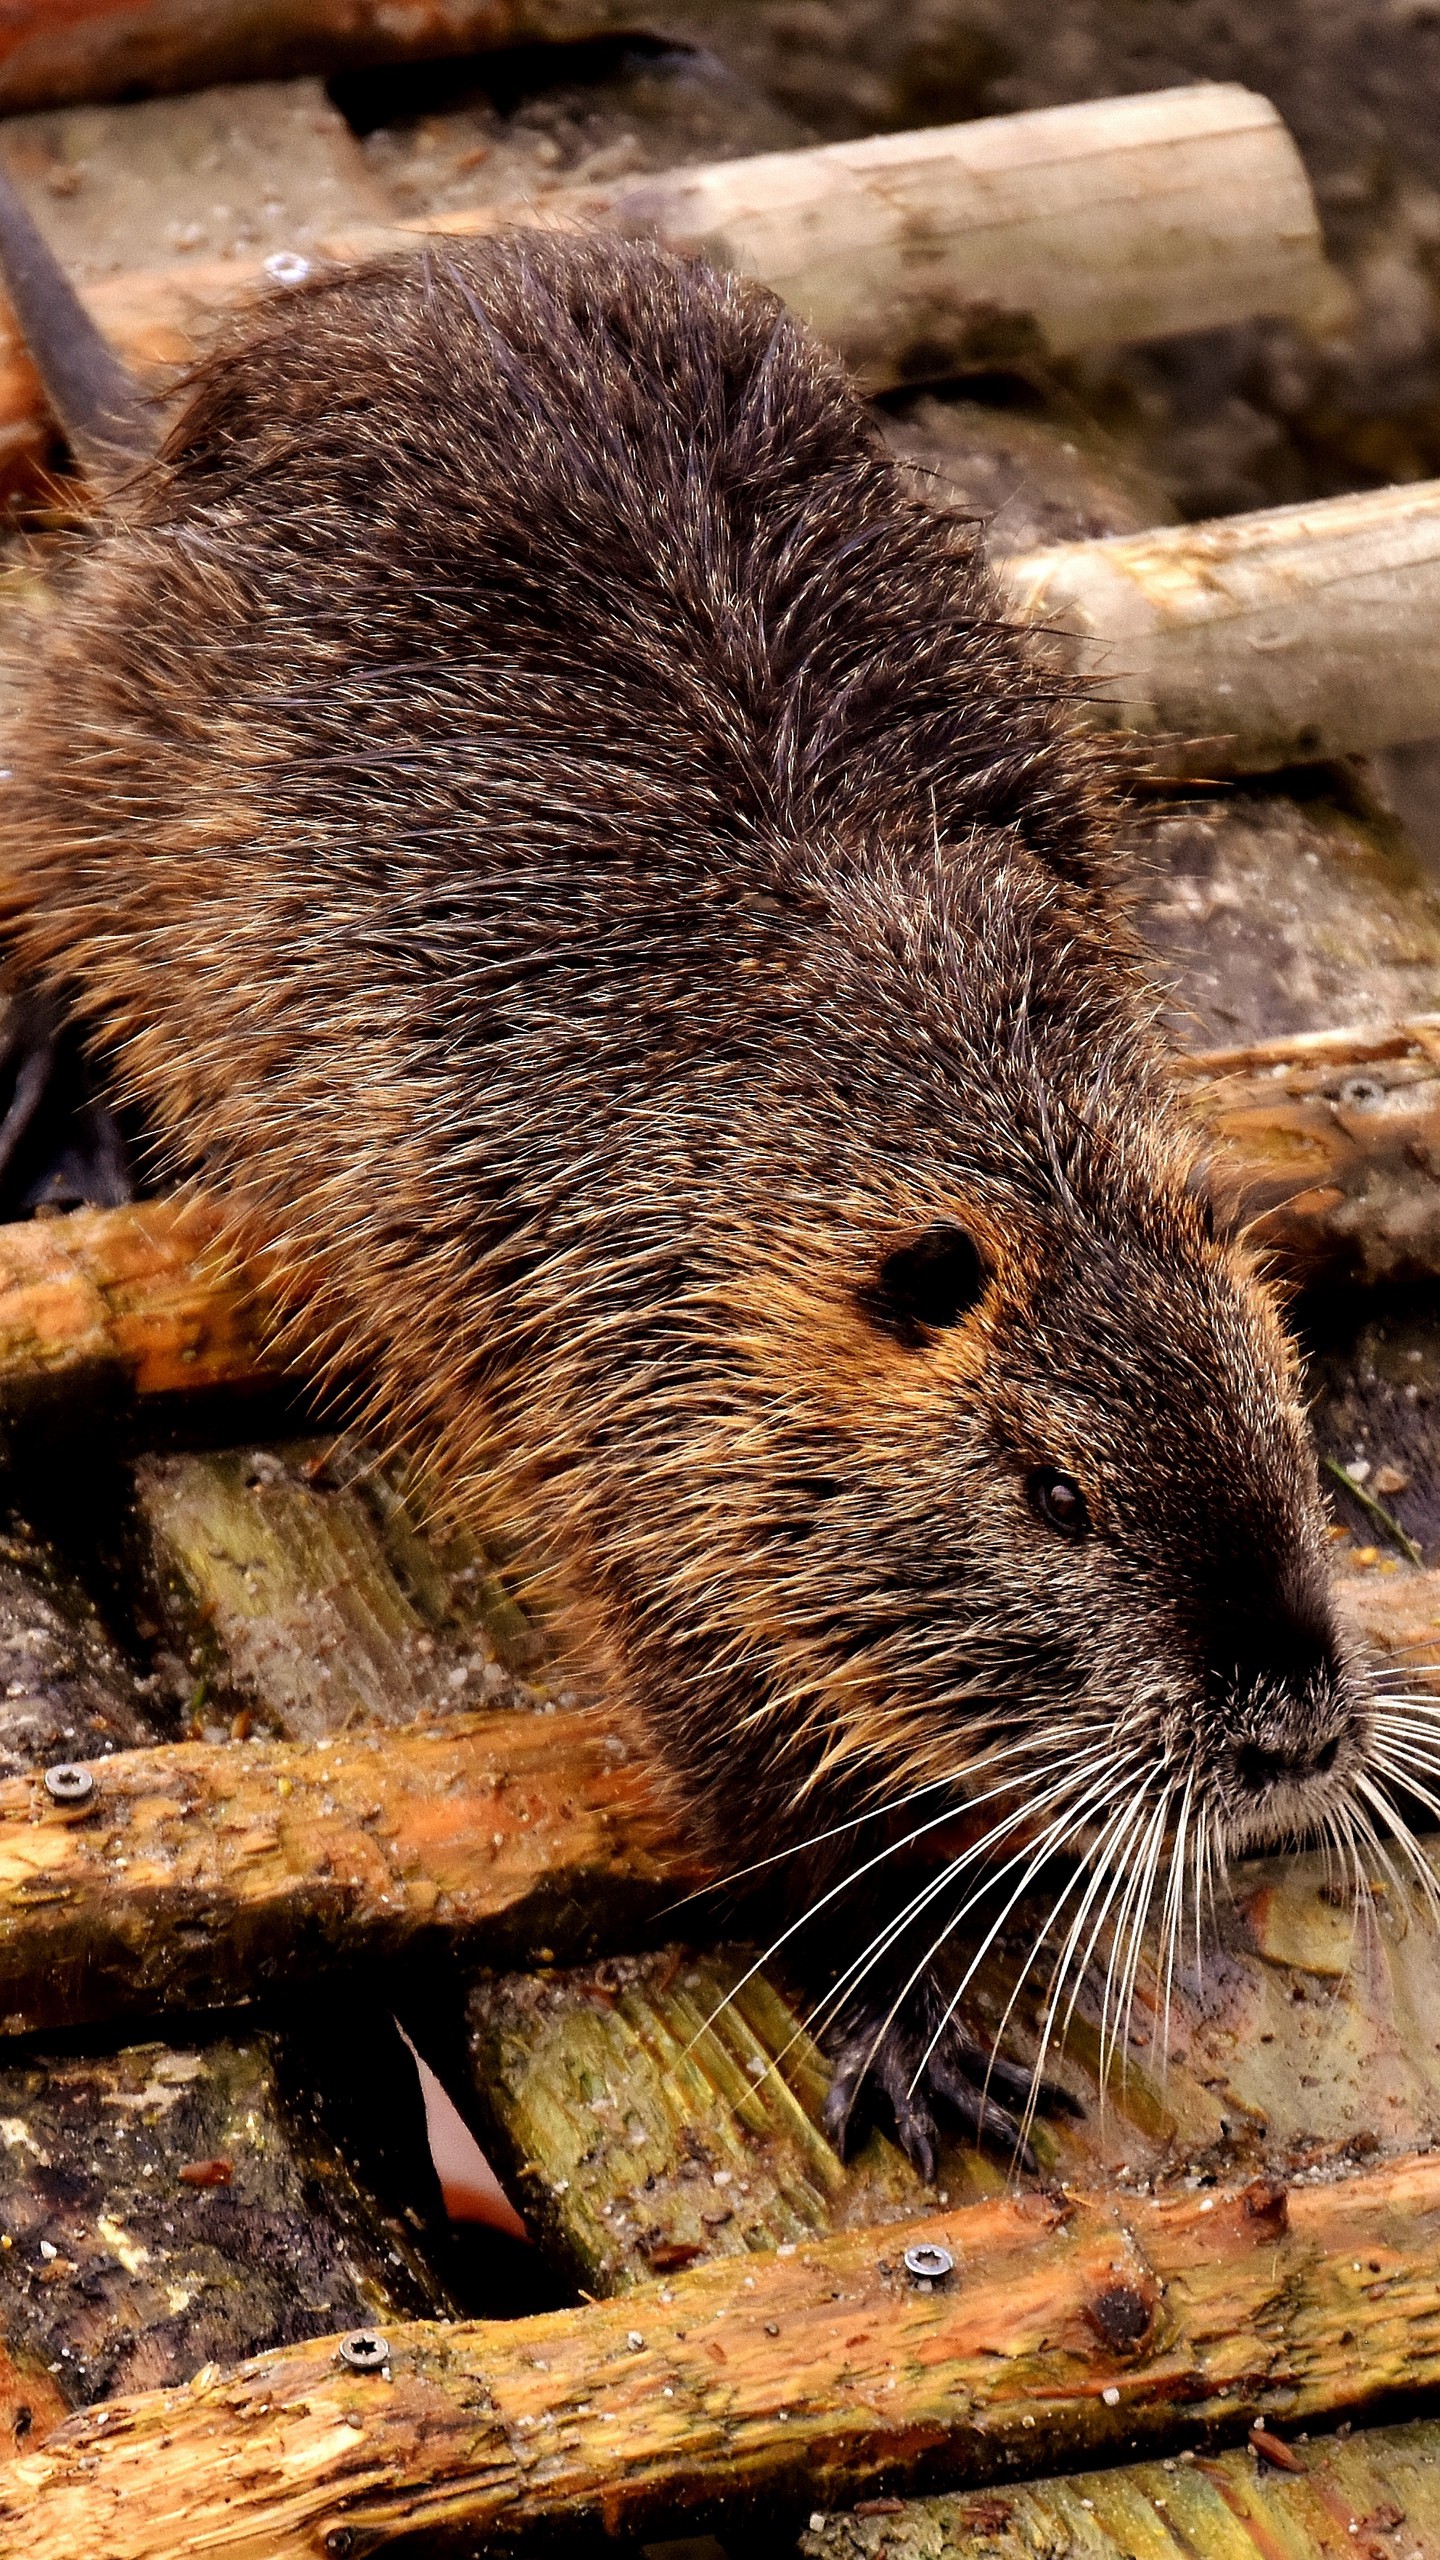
{"points": [[566, 843]]}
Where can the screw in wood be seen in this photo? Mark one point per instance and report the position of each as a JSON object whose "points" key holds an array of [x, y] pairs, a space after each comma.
{"points": [[365, 2350], [68, 1783], [926, 2263]]}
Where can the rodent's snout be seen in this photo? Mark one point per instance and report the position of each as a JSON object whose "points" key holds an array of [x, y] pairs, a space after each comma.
{"points": [[1293, 1741]]}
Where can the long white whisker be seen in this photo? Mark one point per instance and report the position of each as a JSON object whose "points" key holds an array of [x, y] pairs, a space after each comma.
{"points": [[1062, 1829], [1099, 1851]]}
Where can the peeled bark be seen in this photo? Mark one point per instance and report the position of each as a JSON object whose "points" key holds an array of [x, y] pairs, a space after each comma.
{"points": [[1074, 2324], [1286, 637]]}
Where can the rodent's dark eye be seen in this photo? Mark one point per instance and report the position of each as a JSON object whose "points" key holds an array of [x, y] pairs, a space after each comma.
{"points": [[926, 1286], [1058, 1501]]}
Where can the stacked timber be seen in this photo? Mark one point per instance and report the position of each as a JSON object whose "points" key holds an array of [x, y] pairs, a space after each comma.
{"points": [[278, 1739]]}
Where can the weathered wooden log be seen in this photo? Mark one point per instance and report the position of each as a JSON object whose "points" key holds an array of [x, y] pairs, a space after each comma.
{"points": [[1379, 2488], [1327, 1148], [198, 1873], [124, 1299], [1068, 228], [160, 2207], [1044, 234], [1254, 641], [1073, 2325], [303, 1593]]}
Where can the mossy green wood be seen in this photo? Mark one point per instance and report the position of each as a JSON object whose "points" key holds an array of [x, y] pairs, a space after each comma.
{"points": [[301, 1582], [661, 2108], [1374, 2494]]}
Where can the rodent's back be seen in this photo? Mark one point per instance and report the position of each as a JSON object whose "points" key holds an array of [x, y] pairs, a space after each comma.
{"points": [[562, 839]]}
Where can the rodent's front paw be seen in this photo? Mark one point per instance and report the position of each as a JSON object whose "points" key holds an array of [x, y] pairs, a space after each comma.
{"points": [[918, 2076]]}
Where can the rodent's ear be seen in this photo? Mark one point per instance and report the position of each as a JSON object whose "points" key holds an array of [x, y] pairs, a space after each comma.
{"points": [[926, 1286]]}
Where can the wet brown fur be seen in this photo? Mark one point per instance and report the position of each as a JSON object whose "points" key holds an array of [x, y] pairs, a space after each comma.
{"points": [[566, 843]]}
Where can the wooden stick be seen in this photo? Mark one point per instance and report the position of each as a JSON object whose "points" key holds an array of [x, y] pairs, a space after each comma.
{"points": [[1327, 1147], [61, 56], [196, 1872], [1073, 2324], [1259, 640], [911, 253]]}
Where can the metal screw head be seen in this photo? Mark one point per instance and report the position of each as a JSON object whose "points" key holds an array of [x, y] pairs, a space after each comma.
{"points": [[1361, 1093], [365, 2350], [927, 2263], [68, 1783]]}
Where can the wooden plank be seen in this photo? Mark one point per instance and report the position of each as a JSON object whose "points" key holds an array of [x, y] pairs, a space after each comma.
{"points": [[197, 1873], [1284, 637], [1074, 2325], [303, 1594], [1375, 2493]]}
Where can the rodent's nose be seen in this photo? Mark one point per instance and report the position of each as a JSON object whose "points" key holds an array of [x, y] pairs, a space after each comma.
{"points": [[1288, 1762]]}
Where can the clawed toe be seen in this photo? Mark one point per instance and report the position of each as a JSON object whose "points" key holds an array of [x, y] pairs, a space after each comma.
{"points": [[916, 2072]]}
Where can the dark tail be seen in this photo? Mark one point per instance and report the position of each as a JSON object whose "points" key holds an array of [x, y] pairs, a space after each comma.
{"points": [[99, 404]]}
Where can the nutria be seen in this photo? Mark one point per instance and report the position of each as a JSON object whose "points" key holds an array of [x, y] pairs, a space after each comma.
{"points": [[543, 817]]}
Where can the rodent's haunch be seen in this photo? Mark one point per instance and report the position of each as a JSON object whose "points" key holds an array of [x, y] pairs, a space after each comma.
{"points": [[542, 818]]}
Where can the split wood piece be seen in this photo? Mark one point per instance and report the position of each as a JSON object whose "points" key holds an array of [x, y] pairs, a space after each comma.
{"points": [[659, 2109], [1074, 2326], [1378, 2489], [1327, 1147], [1299, 634], [302, 1591], [1038, 234], [197, 1874], [161, 2207], [135, 1300]]}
